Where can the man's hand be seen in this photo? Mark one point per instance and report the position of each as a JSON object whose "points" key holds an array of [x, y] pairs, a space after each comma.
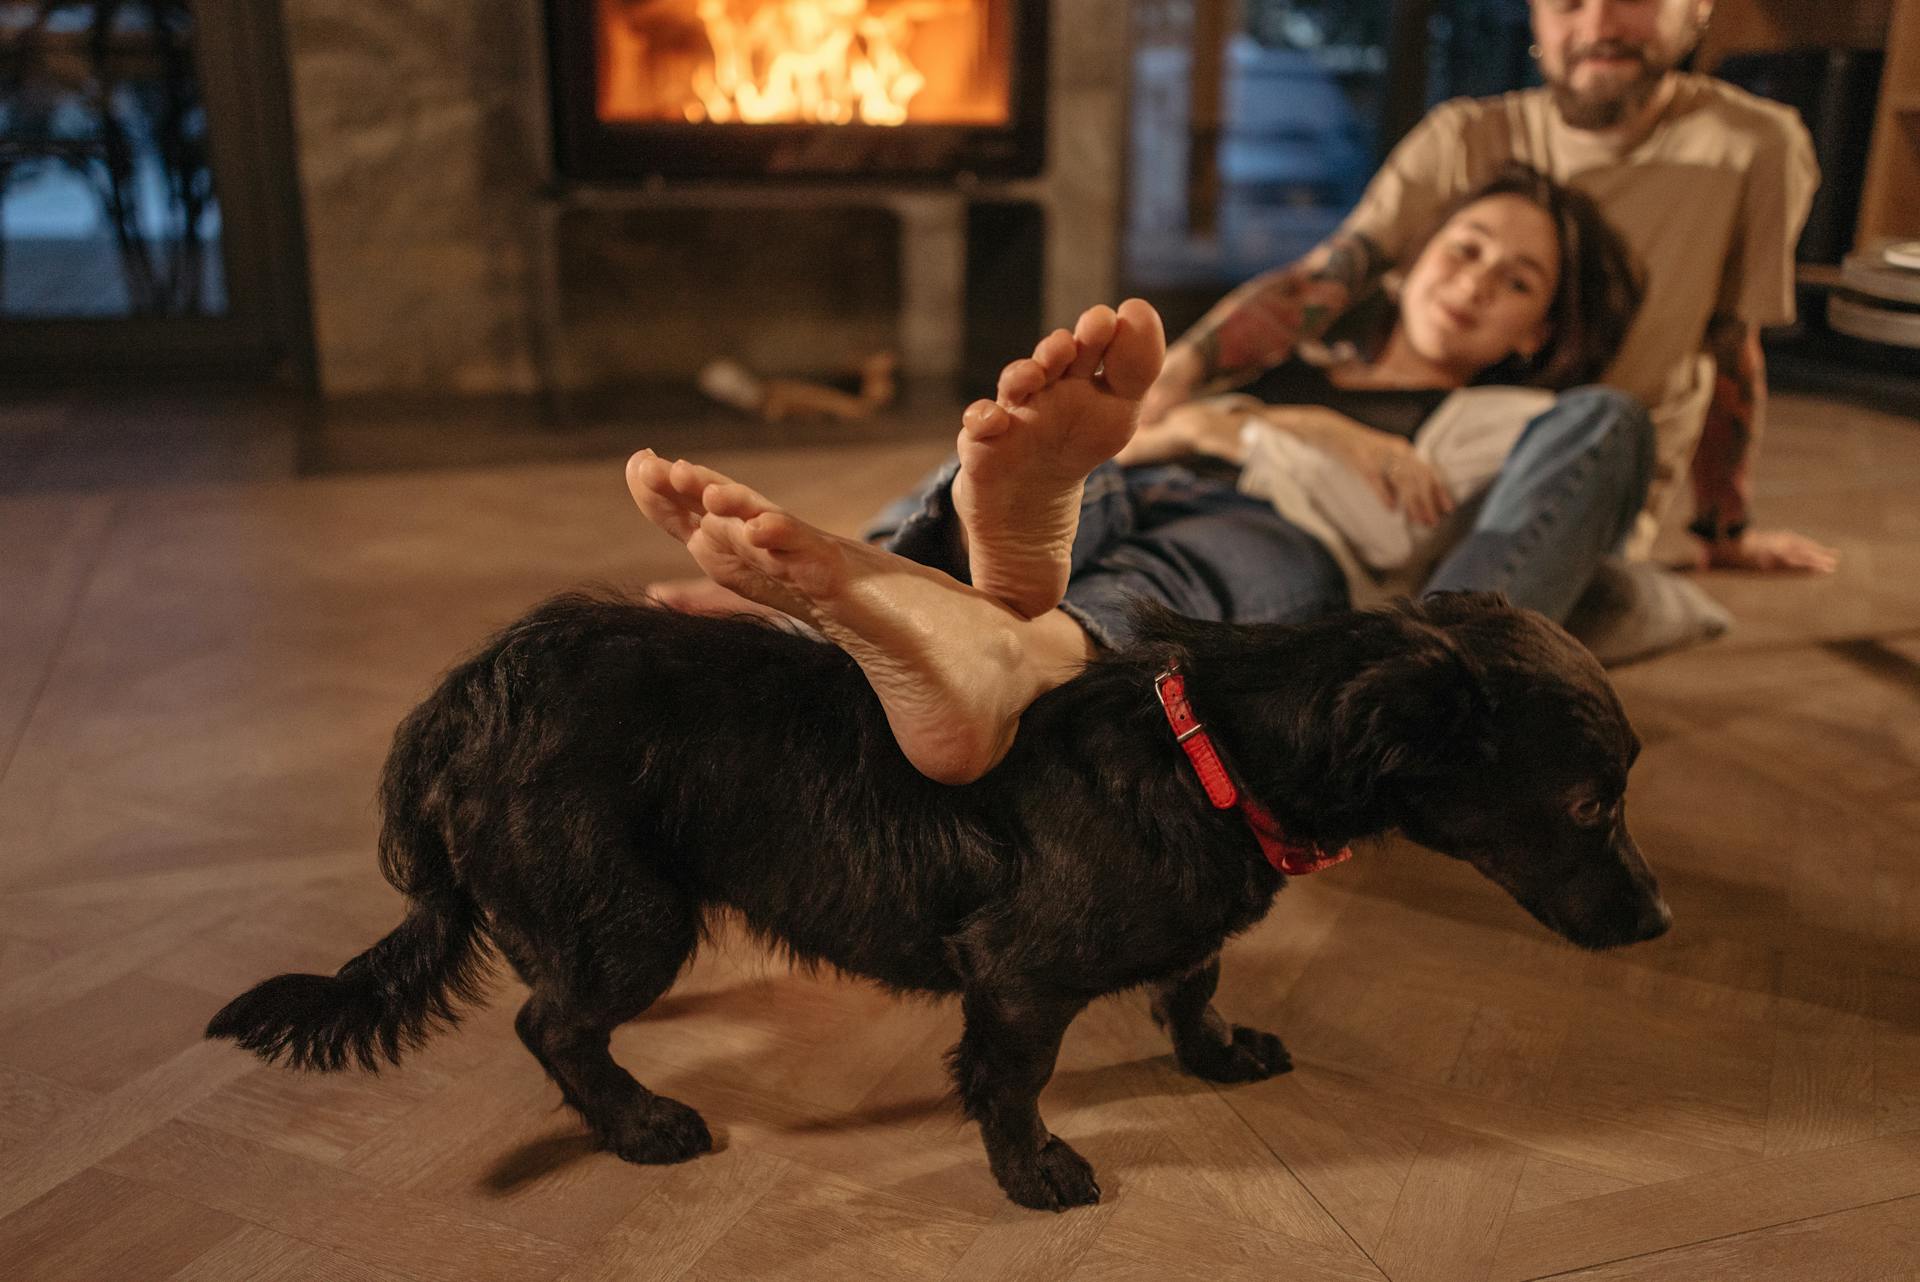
{"points": [[1769, 552]]}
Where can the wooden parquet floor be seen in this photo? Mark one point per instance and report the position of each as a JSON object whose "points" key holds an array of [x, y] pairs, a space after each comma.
{"points": [[200, 668]]}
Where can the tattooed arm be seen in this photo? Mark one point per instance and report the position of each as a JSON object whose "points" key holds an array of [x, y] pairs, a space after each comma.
{"points": [[1258, 325], [1722, 464]]}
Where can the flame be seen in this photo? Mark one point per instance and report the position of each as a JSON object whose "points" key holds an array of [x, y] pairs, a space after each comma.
{"points": [[817, 61]]}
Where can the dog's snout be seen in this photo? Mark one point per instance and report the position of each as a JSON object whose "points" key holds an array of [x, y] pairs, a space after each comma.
{"points": [[1656, 919]]}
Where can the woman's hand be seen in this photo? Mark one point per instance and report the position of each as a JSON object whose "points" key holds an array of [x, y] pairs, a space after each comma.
{"points": [[1402, 479]]}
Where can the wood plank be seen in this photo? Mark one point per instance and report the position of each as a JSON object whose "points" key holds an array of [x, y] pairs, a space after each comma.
{"points": [[81, 1136], [1151, 1241], [1655, 1217], [1823, 1088], [808, 1227], [97, 1226], [1452, 1208], [255, 1254], [1017, 1245], [684, 1214], [333, 1208], [52, 546], [1877, 1243]]}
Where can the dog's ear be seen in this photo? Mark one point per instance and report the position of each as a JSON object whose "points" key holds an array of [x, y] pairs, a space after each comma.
{"points": [[1418, 712]]}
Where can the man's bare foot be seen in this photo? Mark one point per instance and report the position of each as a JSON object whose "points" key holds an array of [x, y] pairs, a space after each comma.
{"points": [[1061, 413], [953, 667]]}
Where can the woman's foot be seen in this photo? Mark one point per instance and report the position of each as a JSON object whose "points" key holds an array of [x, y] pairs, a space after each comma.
{"points": [[953, 667], [648, 482], [1062, 412], [703, 596]]}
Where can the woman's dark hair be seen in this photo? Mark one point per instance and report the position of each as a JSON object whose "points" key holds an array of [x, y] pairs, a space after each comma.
{"points": [[1598, 292]]}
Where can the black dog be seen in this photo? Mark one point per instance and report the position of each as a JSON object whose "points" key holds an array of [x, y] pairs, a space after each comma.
{"points": [[604, 775]]}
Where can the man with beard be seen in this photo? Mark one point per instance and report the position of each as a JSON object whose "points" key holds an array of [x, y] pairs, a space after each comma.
{"points": [[1708, 185]]}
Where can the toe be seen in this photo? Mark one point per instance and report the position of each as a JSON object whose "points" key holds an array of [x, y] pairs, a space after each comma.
{"points": [[1055, 353], [1093, 332], [1020, 380], [1139, 345], [730, 498], [692, 480], [647, 475], [637, 465], [657, 500], [776, 532], [984, 419]]}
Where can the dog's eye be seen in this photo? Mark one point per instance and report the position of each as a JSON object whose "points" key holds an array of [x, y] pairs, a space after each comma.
{"points": [[1589, 811]]}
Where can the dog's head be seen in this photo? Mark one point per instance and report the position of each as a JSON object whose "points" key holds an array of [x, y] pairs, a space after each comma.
{"points": [[1487, 733]]}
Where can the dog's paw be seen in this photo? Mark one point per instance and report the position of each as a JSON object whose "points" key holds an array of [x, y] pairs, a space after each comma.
{"points": [[1252, 1056], [662, 1132], [1053, 1179]]}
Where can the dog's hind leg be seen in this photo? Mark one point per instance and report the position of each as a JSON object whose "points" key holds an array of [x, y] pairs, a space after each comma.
{"points": [[621, 963], [1205, 1044], [1003, 1061]]}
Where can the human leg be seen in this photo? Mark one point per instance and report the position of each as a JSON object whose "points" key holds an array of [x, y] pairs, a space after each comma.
{"points": [[1205, 551], [954, 668], [1566, 496]]}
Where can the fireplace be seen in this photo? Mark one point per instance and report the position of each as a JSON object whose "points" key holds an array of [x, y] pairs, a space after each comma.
{"points": [[892, 89]]}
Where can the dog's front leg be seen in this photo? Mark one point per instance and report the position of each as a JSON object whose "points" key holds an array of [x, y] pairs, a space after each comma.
{"points": [[1205, 1044], [1003, 1060]]}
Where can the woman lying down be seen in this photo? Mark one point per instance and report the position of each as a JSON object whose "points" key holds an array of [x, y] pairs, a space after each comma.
{"points": [[1019, 559]]}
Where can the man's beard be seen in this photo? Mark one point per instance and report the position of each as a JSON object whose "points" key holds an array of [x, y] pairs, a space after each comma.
{"points": [[1611, 106]]}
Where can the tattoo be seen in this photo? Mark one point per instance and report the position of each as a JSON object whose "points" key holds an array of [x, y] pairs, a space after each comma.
{"points": [[1351, 261], [1722, 461], [1260, 324]]}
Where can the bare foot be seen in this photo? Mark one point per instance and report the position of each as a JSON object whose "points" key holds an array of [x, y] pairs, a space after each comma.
{"points": [[1061, 413], [703, 596], [649, 481], [953, 667]]}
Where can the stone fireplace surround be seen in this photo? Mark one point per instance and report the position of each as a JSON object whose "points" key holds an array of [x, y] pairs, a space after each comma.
{"points": [[439, 259]]}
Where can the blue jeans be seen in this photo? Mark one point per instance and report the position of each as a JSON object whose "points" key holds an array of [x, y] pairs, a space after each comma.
{"points": [[1566, 497], [1189, 541]]}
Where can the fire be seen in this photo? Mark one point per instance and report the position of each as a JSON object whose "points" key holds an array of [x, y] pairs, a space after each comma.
{"points": [[815, 61]]}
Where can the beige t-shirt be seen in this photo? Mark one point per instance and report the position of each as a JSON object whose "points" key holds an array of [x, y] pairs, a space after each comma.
{"points": [[1710, 203]]}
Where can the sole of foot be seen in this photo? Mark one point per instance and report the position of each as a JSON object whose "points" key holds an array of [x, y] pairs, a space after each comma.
{"points": [[953, 667], [1024, 458]]}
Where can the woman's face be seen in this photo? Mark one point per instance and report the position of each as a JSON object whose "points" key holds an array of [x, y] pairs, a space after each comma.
{"points": [[1479, 292]]}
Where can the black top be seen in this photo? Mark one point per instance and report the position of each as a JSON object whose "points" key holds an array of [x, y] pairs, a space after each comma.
{"points": [[1398, 411]]}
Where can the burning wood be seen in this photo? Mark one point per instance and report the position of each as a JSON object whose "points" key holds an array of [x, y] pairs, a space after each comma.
{"points": [[829, 62], [818, 61]]}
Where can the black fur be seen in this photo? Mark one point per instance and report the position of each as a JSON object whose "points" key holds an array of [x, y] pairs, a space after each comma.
{"points": [[605, 775]]}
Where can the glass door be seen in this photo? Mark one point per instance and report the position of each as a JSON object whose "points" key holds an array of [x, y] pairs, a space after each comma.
{"points": [[1256, 124], [148, 217]]}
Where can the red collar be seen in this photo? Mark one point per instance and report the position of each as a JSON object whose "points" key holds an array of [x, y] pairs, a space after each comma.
{"points": [[1289, 857]]}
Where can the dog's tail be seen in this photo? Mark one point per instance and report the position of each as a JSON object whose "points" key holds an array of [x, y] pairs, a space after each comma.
{"points": [[392, 997]]}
